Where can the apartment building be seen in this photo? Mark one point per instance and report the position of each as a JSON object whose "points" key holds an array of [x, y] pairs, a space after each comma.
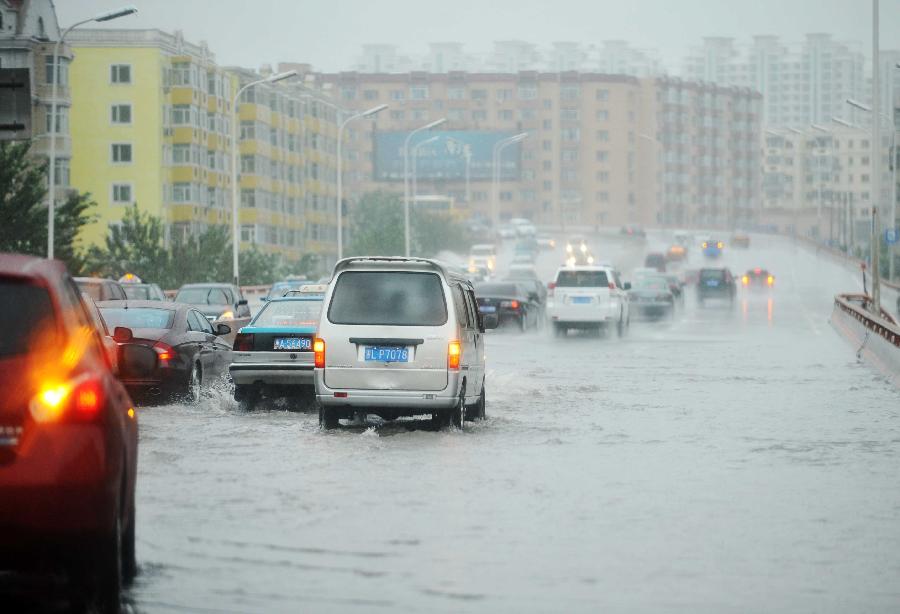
{"points": [[823, 174], [601, 149], [152, 122], [802, 83], [28, 33]]}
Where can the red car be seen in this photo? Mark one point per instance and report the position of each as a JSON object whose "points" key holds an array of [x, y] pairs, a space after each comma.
{"points": [[68, 438]]}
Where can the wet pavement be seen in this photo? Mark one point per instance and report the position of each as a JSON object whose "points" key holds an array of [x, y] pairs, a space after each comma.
{"points": [[730, 460]]}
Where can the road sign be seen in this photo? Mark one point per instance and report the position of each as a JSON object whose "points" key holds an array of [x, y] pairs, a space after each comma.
{"points": [[891, 235], [15, 104]]}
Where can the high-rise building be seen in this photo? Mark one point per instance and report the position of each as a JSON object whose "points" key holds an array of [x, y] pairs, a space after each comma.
{"points": [[601, 149], [28, 33], [802, 84], [152, 124]]}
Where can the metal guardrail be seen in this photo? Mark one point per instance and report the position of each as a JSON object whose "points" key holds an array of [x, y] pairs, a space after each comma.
{"points": [[856, 306], [846, 258]]}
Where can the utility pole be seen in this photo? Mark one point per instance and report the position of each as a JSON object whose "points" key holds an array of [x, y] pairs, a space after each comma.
{"points": [[876, 162]]}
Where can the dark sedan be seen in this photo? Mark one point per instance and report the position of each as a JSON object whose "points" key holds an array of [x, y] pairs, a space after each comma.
{"points": [[171, 350], [715, 284], [511, 301], [651, 297]]}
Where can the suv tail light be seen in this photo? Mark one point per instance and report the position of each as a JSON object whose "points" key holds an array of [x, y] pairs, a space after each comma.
{"points": [[243, 342], [80, 399], [612, 285], [319, 353], [164, 353], [453, 352]]}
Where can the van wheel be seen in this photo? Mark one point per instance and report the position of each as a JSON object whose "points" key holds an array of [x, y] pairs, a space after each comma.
{"points": [[328, 418], [477, 411]]}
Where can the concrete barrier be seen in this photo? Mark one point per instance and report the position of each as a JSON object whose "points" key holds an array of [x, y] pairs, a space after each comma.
{"points": [[877, 338]]}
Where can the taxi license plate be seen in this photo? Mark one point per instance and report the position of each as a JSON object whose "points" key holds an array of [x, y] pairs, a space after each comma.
{"points": [[292, 343], [382, 353]]}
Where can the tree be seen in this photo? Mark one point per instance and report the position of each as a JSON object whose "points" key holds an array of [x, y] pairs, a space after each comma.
{"points": [[24, 212], [134, 246], [377, 229]]}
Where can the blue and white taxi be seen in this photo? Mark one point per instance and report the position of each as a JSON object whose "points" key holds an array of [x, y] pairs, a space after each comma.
{"points": [[273, 355]]}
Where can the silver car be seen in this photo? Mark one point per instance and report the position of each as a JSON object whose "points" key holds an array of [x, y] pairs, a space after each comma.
{"points": [[400, 337]]}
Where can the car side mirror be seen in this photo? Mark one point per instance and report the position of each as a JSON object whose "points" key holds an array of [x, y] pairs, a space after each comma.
{"points": [[262, 299], [490, 321], [627, 285], [242, 302], [121, 334], [222, 329]]}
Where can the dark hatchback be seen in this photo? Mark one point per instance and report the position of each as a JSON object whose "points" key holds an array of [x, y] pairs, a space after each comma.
{"points": [[168, 351], [68, 443], [511, 301], [715, 284]]}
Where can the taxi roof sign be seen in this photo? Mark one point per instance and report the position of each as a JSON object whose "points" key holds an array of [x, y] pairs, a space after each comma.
{"points": [[130, 278], [308, 289]]}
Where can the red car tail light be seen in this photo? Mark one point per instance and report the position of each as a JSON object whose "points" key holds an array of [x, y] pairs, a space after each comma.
{"points": [[164, 353], [453, 352], [80, 399], [319, 353], [243, 342]]}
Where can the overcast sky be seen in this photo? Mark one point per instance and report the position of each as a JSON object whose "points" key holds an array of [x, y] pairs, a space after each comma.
{"points": [[328, 34]]}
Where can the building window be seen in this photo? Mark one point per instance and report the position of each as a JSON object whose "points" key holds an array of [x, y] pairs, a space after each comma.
{"points": [[571, 134], [602, 156], [548, 186], [248, 233], [398, 95], [418, 92], [456, 93], [181, 153], [248, 198], [62, 120], [528, 92], [181, 192], [348, 93], [603, 135], [602, 115], [397, 115], [63, 71], [568, 114], [602, 197], [61, 178], [504, 115], [121, 113], [181, 115], [479, 95], [479, 115], [370, 94], [121, 153], [120, 73], [603, 95], [548, 124], [570, 92], [248, 164], [121, 194]]}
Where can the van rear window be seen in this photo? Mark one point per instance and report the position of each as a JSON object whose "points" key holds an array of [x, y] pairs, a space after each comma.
{"points": [[582, 279], [388, 298]]}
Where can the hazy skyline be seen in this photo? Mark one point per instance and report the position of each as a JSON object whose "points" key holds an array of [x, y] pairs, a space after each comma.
{"points": [[329, 35]]}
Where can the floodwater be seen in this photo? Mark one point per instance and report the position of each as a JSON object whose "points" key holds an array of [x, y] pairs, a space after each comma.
{"points": [[729, 460]]}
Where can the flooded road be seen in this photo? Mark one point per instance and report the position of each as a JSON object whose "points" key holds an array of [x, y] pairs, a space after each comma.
{"points": [[728, 460]]}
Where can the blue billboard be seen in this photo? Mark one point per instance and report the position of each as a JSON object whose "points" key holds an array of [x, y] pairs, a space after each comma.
{"points": [[445, 157]]}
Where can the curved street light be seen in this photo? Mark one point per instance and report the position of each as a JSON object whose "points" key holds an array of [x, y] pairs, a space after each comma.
{"points": [[340, 179], [429, 126], [54, 120], [235, 227]]}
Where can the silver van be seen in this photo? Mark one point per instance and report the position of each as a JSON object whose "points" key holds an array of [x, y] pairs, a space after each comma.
{"points": [[400, 337]]}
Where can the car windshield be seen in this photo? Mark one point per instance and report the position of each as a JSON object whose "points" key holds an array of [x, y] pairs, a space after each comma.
{"points": [[138, 317], [30, 311], [203, 296], [652, 283], [582, 279], [712, 274], [139, 293], [289, 313], [398, 298], [497, 290], [92, 289]]}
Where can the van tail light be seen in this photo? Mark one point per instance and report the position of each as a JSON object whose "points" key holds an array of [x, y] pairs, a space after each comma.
{"points": [[164, 353], [612, 286], [243, 342], [770, 280], [78, 400], [453, 352], [319, 353]]}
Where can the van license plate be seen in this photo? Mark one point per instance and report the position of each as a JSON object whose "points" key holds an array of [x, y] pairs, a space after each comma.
{"points": [[292, 343], [379, 353]]}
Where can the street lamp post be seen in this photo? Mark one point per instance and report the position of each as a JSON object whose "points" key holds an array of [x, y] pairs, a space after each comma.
{"points": [[340, 175], [847, 198], [499, 146], [819, 180], [429, 126], [415, 171], [877, 171], [54, 120], [235, 193]]}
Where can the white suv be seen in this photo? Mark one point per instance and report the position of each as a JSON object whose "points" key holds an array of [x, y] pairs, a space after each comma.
{"points": [[588, 297], [400, 337]]}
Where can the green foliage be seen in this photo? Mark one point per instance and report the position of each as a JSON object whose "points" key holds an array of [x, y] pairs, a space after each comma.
{"points": [[138, 246], [24, 214], [376, 224]]}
